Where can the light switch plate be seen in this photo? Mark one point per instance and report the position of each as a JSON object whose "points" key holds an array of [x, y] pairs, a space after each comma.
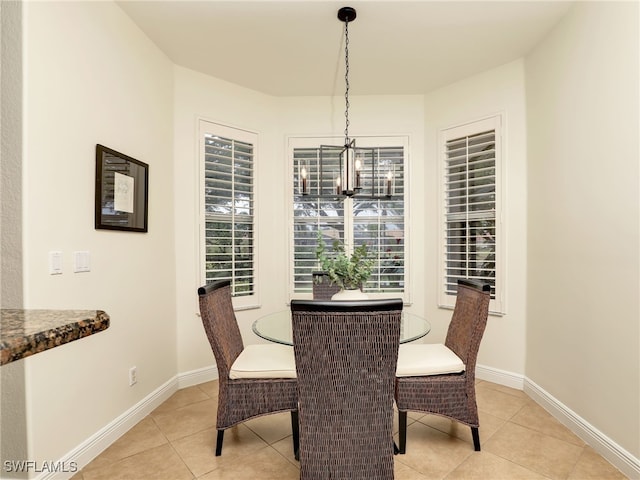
{"points": [[81, 262], [55, 263]]}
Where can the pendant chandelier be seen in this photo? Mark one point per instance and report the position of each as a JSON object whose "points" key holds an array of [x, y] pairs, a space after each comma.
{"points": [[345, 171]]}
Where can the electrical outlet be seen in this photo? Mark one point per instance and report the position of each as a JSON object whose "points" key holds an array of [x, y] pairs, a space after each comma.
{"points": [[133, 376]]}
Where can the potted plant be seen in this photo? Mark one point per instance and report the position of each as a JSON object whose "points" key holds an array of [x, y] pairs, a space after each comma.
{"points": [[350, 273]]}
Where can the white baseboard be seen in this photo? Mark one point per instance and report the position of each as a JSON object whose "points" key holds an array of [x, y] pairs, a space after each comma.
{"points": [[84, 453], [101, 440], [614, 453], [501, 377], [96, 444], [196, 377]]}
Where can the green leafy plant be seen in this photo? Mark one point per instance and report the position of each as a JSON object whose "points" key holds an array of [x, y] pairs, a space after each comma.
{"points": [[348, 272]]}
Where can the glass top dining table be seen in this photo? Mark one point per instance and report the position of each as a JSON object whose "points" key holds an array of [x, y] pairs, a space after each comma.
{"points": [[276, 327]]}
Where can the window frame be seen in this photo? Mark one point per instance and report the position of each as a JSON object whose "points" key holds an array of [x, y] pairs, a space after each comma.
{"points": [[369, 141], [461, 130], [242, 135]]}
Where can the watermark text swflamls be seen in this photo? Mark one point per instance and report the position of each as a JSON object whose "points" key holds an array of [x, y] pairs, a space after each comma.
{"points": [[22, 466]]}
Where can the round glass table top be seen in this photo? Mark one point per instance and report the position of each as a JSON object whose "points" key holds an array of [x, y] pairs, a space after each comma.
{"points": [[276, 327]]}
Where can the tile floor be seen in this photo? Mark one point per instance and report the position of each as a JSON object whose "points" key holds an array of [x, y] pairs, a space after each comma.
{"points": [[519, 441]]}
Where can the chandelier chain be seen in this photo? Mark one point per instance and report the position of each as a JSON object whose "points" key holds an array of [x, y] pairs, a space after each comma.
{"points": [[346, 81]]}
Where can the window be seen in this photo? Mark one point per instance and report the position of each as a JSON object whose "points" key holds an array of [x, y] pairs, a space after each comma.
{"points": [[380, 223], [228, 157], [471, 245]]}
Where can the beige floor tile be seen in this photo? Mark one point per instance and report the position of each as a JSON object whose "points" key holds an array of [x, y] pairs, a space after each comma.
{"points": [[538, 452], [271, 428], [198, 450], [536, 418], [405, 472], [504, 389], [411, 417], [264, 464], [519, 440], [488, 426], [285, 448], [592, 466], [497, 403], [431, 452], [143, 436], [210, 388], [181, 398], [449, 427], [484, 466], [157, 463], [187, 420], [414, 416]]}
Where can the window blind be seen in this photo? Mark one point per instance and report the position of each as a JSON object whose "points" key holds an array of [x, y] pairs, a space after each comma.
{"points": [[380, 223], [311, 214], [229, 212], [470, 209]]}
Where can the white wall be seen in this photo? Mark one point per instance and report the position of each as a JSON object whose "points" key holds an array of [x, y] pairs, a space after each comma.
{"points": [[201, 97], [370, 115], [92, 77], [13, 415], [198, 96], [583, 328], [11, 155], [498, 91]]}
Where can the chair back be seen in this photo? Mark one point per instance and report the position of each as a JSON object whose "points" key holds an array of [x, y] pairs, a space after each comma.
{"points": [[220, 324], [468, 321], [322, 287], [346, 355]]}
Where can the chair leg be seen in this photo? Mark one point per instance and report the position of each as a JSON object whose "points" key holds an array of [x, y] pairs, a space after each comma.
{"points": [[476, 438], [295, 429], [219, 443], [402, 421]]}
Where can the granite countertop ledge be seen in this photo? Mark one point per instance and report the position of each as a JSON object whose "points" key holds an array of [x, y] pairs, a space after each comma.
{"points": [[27, 332]]}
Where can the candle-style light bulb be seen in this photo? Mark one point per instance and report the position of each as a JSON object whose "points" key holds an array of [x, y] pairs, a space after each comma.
{"points": [[389, 183], [338, 190], [303, 175], [358, 167]]}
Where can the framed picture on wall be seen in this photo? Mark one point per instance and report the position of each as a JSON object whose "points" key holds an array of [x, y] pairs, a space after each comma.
{"points": [[122, 191]]}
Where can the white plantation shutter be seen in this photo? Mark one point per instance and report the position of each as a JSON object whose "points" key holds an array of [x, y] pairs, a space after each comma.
{"points": [[228, 203], [470, 245], [311, 214], [380, 223]]}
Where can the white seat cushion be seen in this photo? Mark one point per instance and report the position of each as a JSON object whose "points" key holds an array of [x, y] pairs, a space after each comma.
{"points": [[264, 361], [415, 360]]}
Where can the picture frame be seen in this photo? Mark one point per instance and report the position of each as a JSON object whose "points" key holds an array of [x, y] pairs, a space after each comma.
{"points": [[122, 191]]}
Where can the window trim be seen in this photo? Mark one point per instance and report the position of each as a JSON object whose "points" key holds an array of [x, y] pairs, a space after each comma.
{"points": [[206, 126], [491, 122], [310, 141]]}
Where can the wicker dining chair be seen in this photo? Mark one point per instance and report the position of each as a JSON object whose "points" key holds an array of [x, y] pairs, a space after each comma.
{"points": [[346, 354], [322, 287], [440, 379], [254, 380]]}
